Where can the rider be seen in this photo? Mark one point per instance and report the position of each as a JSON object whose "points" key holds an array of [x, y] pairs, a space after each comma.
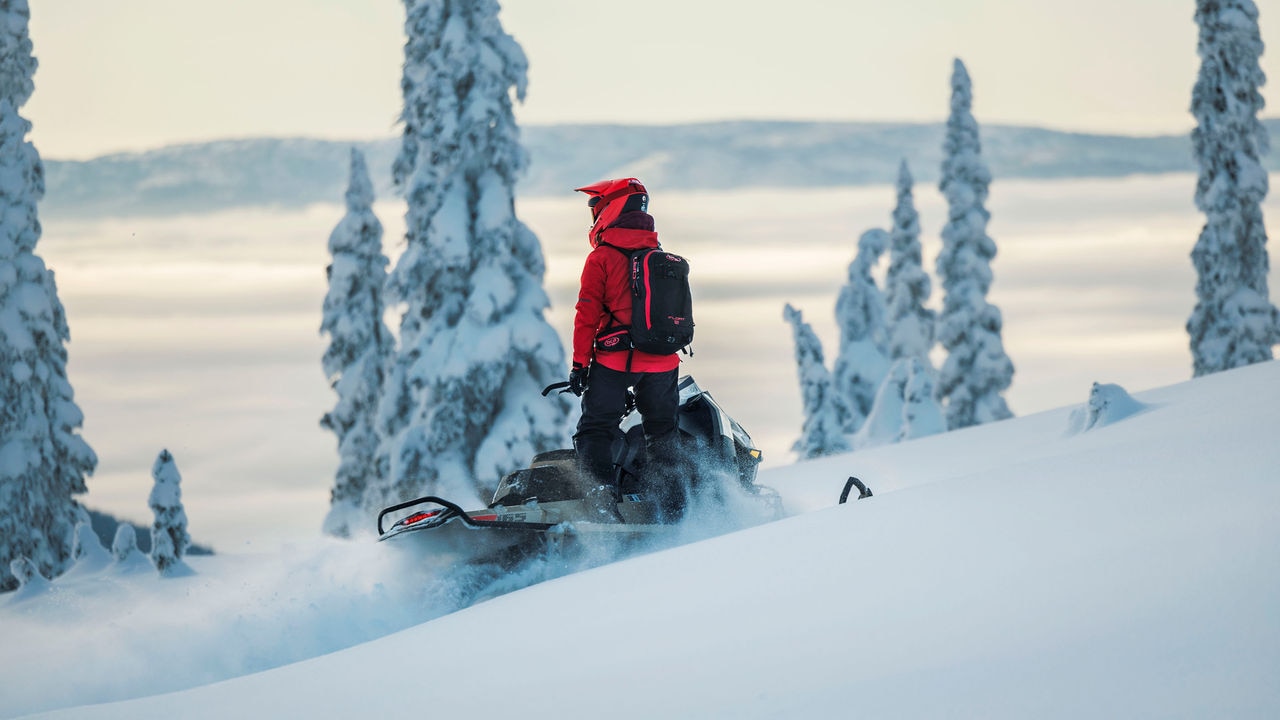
{"points": [[604, 370]]}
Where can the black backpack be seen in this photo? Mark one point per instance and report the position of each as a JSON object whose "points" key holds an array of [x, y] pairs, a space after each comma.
{"points": [[661, 305]]}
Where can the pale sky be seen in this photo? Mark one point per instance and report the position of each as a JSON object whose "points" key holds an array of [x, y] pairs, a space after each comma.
{"points": [[139, 74]]}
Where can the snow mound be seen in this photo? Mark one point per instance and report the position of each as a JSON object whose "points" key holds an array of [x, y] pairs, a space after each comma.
{"points": [[971, 585], [1107, 404], [90, 556]]}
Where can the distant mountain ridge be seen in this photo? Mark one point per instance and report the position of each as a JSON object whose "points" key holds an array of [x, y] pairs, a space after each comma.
{"points": [[712, 156]]}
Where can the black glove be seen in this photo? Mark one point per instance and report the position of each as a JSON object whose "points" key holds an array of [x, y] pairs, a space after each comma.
{"points": [[578, 379]]}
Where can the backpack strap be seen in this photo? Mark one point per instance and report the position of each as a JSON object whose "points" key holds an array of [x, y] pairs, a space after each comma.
{"points": [[615, 247], [631, 353], [613, 317]]}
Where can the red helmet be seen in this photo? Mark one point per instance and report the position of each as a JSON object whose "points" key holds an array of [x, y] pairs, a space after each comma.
{"points": [[610, 198]]}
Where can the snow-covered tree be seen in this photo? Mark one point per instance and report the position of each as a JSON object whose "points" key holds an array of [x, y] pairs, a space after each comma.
{"points": [[89, 554], [126, 558], [169, 539], [463, 406], [1108, 403], [907, 286], [360, 345], [860, 313], [1234, 322], [17, 63], [905, 408], [125, 543], [43, 459], [884, 422], [921, 414], [826, 411], [976, 370], [27, 578]]}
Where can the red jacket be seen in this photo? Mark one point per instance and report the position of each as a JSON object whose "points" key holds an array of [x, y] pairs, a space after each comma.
{"points": [[604, 298]]}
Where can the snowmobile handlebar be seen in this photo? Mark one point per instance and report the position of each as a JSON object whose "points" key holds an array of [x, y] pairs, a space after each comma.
{"points": [[562, 386]]}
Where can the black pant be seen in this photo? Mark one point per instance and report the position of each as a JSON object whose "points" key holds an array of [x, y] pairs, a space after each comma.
{"points": [[657, 400]]}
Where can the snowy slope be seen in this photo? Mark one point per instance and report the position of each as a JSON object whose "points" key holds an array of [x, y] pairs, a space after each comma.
{"points": [[1021, 569]]}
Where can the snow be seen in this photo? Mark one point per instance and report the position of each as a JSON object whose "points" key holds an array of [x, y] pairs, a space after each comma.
{"points": [[1011, 570], [1107, 404], [15, 457]]}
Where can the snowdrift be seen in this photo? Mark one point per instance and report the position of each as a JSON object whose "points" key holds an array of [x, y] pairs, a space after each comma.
{"points": [[1019, 569]]}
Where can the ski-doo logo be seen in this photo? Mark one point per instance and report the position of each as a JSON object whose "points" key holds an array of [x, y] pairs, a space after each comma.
{"points": [[611, 341]]}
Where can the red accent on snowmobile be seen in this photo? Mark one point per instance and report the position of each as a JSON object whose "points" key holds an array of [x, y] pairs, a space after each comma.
{"points": [[418, 517], [450, 511]]}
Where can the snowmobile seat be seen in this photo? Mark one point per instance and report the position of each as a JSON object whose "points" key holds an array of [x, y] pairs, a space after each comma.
{"points": [[554, 457], [547, 482]]}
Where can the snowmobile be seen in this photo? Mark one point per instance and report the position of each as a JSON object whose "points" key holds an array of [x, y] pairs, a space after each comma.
{"points": [[547, 500]]}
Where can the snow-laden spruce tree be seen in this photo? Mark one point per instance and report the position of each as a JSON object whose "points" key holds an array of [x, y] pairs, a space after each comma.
{"points": [[88, 552], [976, 370], [169, 539], [1234, 322], [826, 411], [884, 422], [860, 313], [360, 345], [907, 286], [124, 544], [126, 558], [43, 459], [27, 579], [463, 405], [905, 408], [921, 414]]}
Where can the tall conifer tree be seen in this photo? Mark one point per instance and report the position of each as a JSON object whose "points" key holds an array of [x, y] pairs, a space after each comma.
{"points": [[921, 414], [976, 370], [907, 286], [169, 538], [463, 405], [861, 364], [1234, 322], [43, 459], [826, 412], [360, 345]]}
